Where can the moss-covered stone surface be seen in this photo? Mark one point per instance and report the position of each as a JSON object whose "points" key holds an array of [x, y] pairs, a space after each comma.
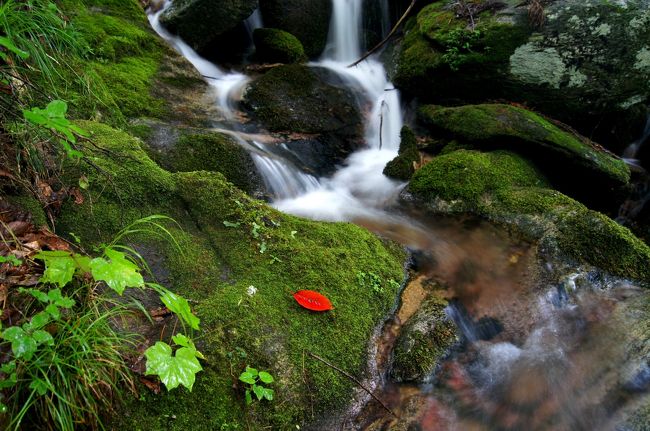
{"points": [[574, 164], [507, 189], [275, 253], [277, 46], [423, 341], [402, 166], [584, 63]]}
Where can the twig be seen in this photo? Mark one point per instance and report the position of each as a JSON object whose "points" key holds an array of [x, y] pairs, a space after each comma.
{"points": [[387, 38], [381, 123], [351, 377]]}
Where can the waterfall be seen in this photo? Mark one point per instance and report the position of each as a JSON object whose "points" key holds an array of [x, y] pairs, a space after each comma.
{"points": [[344, 41], [630, 153], [228, 86]]}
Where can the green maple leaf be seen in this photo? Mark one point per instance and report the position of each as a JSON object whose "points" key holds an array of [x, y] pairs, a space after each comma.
{"points": [[179, 306], [173, 370], [59, 267], [118, 272]]}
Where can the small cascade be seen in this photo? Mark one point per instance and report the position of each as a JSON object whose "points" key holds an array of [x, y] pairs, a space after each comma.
{"points": [[253, 22], [630, 153], [228, 86], [344, 40]]}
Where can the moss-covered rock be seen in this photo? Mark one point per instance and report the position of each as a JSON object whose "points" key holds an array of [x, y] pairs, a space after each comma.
{"points": [[301, 99], [308, 20], [585, 65], [579, 167], [277, 254], [423, 341], [402, 166], [200, 22], [194, 149], [277, 46], [508, 190]]}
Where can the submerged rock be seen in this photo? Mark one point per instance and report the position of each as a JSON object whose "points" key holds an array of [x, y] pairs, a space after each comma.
{"points": [[308, 20], [277, 46], [423, 341], [571, 162], [585, 63], [200, 22], [300, 99], [507, 189]]}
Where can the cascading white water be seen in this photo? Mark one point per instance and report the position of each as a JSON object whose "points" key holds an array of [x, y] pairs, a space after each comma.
{"points": [[359, 189], [228, 86], [630, 153]]}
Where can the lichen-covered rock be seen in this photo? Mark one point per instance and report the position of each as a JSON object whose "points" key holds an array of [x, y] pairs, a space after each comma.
{"points": [[587, 64], [277, 46], [425, 338], [308, 20], [508, 190], [574, 164], [214, 264], [200, 22], [300, 99], [402, 166]]}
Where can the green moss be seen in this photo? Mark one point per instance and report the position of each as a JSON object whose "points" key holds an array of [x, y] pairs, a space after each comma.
{"points": [[469, 175], [210, 152], [402, 166], [30, 205], [506, 189], [277, 46], [423, 341], [214, 270]]}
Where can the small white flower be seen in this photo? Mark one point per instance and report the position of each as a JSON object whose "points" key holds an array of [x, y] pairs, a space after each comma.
{"points": [[251, 290]]}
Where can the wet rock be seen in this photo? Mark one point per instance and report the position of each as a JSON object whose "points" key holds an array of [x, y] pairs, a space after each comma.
{"points": [[425, 338], [585, 63], [572, 163], [509, 190], [277, 46], [403, 166], [299, 99], [200, 22], [308, 20]]}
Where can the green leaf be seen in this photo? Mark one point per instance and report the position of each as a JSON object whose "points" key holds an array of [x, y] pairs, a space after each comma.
{"points": [[53, 310], [22, 345], [40, 386], [293, 234], [268, 394], [175, 370], [83, 184], [8, 43], [11, 259], [9, 382], [9, 367], [56, 109], [38, 321], [249, 399], [262, 247], [59, 267], [266, 377], [43, 337], [229, 224], [259, 392], [35, 293], [118, 272], [256, 230], [179, 306], [56, 297], [247, 377], [253, 371]]}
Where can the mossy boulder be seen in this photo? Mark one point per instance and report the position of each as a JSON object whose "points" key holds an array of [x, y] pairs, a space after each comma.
{"points": [[509, 190], [308, 20], [308, 101], [573, 164], [402, 167], [277, 46], [215, 267], [200, 22], [192, 149], [585, 63], [423, 341]]}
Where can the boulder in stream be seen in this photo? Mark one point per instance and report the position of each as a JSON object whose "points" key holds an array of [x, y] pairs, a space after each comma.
{"points": [[584, 63], [308, 20], [277, 46], [200, 22]]}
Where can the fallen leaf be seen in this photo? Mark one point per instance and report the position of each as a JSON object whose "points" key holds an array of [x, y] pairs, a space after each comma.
{"points": [[78, 197], [312, 300], [151, 385]]}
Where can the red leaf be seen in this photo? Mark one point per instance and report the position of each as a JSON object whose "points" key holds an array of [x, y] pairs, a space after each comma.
{"points": [[312, 300]]}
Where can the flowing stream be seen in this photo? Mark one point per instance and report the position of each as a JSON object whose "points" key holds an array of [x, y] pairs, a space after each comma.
{"points": [[572, 355]]}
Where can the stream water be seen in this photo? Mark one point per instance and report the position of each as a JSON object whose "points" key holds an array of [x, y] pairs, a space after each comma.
{"points": [[572, 354]]}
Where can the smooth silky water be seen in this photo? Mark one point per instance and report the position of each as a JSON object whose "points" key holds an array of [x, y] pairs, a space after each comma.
{"points": [[571, 355]]}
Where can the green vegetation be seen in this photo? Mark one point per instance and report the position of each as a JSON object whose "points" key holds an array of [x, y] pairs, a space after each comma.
{"points": [[254, 380], [277, 46], [402, 167]]}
